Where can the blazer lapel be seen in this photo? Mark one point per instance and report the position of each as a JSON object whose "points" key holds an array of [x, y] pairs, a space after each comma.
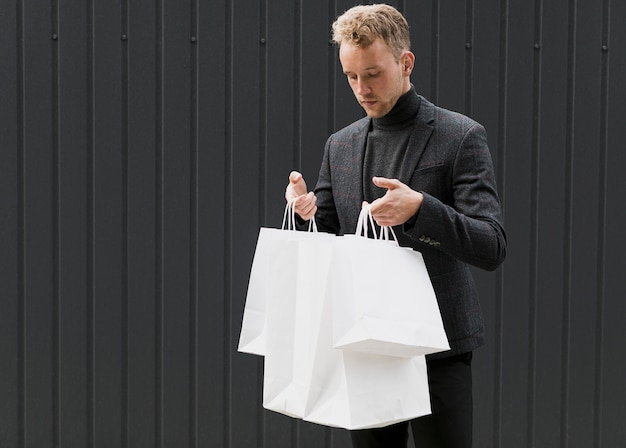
{"points": [[419, 138], [352, 177]]}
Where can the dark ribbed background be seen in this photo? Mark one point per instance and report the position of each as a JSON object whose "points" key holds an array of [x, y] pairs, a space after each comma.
{"points": [[144, 142]]}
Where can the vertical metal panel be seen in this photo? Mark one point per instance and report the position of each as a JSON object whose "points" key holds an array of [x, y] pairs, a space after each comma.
{"points": [[601, 229], [423, 45], [584, 234], [144, 143], [142, 223], [518, 165], [40, 246], [178, 211], [548, 264], [108, 216], [214, 349], [280, 115], [315, 88], [72, 149], [451, 53], [344, 108], [243, 180], [11, 223], [485, 99], [613, 393]]}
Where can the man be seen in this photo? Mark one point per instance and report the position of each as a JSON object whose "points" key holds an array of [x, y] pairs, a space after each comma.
{"points": [[428, 172]]}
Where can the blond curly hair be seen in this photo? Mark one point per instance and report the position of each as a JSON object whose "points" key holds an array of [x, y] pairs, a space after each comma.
{"points": [[361, 25]]}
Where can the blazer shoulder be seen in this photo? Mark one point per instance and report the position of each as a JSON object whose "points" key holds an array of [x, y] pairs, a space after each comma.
{"points": [[442, 118], [354, 129]]}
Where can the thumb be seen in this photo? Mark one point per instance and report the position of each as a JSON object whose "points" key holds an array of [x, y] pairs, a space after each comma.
{"points": [[295, 177], [297, 184], [383, 182]]}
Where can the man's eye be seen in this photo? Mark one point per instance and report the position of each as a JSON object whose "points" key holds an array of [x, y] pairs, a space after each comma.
{"points": [[373, 75]]}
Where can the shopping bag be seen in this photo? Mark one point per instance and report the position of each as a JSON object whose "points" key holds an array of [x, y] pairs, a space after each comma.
{"points": [[371, 391], [383, 300], [272, 273], [304, 376], [293, 325], [358, 390]]}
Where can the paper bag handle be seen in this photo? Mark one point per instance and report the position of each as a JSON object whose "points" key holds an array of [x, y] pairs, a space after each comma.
{"points": [[365, 216], [362, 224], [289, 218]]}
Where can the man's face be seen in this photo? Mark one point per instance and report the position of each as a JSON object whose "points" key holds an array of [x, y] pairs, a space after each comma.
{"points": [[376, 78]]}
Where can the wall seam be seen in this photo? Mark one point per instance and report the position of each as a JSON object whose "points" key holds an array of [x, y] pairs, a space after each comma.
{"points": [[125, 225], [159, 225], [228, 220], [91, 262], [602, 214], [434, 52], [56, 188], [469, 57], [534, 223], [332, 67], [194, 225], [568, 223], [21, 233], [501, 175]]}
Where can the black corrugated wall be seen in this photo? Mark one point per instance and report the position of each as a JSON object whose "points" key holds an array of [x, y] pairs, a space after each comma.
{"points": [[144, 143]]}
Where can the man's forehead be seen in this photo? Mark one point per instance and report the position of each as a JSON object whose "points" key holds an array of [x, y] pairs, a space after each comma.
{"points": [[364, 58]]}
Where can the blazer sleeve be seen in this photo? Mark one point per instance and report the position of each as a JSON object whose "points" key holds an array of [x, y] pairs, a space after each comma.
{"points": [[466, 222]]}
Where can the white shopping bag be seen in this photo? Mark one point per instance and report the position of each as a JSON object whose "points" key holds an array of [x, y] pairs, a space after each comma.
{"points": [[275, 254], [305, 377], [293, 325], [383, 300], [358, 390], [371, 391]]}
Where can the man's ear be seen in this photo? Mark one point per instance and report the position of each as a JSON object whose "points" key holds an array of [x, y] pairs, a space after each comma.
{"points": [[408, 61]]}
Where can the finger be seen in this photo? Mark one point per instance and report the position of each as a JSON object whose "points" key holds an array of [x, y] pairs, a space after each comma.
{"points": [[382, 218], [291, 194], [307, 205], [383, 182], [298, 201], [308, 214], [297, 183], [295, 177]]}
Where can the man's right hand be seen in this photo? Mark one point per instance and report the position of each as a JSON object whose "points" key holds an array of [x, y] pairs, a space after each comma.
{"points": [[296, 189]]}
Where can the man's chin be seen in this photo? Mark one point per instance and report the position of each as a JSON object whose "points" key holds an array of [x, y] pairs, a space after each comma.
{"points": [[373, 113], [377, 112]]}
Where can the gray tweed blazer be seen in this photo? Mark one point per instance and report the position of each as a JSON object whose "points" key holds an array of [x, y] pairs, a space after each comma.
{"points": [[459, 222]]}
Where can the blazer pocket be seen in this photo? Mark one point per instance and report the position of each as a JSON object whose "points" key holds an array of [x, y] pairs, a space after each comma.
{"points": [[428, 169], [435, 180]]}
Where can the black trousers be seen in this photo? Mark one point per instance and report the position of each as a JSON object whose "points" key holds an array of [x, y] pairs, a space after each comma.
{"points": [[449, 425]]}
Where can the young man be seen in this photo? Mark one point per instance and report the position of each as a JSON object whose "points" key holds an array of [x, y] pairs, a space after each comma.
{"points": [[428, 172]]}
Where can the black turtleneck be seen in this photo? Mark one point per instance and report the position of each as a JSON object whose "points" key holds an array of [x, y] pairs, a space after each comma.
{"points": [[387, 141]]}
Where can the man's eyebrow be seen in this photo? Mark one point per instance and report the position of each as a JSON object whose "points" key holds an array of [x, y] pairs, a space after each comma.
{"points": [[371, 67]]}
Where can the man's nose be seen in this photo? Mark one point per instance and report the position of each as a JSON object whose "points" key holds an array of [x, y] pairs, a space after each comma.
{"points": [[362, 87]]}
